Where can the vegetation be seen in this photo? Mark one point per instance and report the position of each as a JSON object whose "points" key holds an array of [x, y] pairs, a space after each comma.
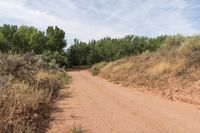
{"points": [[24, 39], [29, 82], [77, 129], [97, 67], [27, 89], [108, 49], [51, 44], [173, 70]]}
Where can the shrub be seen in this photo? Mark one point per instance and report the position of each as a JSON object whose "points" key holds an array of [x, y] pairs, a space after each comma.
{"points": [[77, 129], [27, 90], [191, 49], [55, 59], [97, 67]]}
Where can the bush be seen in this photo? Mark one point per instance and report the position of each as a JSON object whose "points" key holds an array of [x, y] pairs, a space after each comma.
{"points": [[191, 49], [55, 58], [27, 90], [97, 67]]}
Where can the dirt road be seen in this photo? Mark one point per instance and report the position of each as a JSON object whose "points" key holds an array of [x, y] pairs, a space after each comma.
{"points": [[99, 106]]}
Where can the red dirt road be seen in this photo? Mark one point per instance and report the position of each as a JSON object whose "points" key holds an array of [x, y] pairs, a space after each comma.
{"points": [[99, 106]]}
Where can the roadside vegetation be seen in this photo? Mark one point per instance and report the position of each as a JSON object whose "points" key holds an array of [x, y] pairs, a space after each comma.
{"points": [[28, 87], [31, 74], [95, 69], [172, 71], [76, 129]]}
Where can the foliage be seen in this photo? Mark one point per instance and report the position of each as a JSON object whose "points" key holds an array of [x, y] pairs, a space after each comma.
{"points": [[96, 68], [51, 44], [55, 39], [108, 49], [27, 89], [54, 58], [26, 39]]}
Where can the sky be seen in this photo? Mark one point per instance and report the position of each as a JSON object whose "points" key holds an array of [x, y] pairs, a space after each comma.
{"points": [[95, 19]]}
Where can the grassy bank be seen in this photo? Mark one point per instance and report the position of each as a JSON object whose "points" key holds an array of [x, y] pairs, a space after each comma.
{"points": [[172, 71], [28, 87]]}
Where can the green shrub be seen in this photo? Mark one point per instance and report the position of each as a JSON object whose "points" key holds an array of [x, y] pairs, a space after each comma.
{"points": [[55, 59], [77, 129], [97, 67]]}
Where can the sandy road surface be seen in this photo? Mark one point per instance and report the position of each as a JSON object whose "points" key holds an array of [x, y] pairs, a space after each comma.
{"points": [[99, 106]]}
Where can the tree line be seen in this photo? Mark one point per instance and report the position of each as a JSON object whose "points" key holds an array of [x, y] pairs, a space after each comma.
{"points": [[28, 39], [51, 43], [109, 49]]}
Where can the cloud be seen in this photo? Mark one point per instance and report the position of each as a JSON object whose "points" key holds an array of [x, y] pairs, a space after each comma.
{"points": [[94, 19]]}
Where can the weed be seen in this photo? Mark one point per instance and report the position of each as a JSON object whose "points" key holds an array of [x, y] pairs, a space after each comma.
{"points": [[77, 129], [27, 91], [96, 68]]}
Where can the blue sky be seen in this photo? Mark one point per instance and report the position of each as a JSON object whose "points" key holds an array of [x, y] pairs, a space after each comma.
{"points": [[94, 19]]}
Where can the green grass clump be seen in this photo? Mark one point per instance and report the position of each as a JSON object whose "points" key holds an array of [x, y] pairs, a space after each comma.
{"points": [[77, 129], [97, 67]]}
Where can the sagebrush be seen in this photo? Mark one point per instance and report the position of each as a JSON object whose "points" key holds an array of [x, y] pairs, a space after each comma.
{"points": [[27, 88]]}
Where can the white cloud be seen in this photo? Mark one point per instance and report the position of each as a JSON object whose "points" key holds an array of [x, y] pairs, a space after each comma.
{"points": [[93, 19]]}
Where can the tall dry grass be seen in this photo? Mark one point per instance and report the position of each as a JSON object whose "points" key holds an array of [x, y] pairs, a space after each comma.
{"points": [[26, 93]]}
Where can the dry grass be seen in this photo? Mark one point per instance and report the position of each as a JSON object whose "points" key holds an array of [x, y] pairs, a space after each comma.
{"points": [[159, 68], [26, 93]]}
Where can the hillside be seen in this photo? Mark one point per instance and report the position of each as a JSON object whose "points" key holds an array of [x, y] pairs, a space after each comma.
{"points": [[173, 71]]}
